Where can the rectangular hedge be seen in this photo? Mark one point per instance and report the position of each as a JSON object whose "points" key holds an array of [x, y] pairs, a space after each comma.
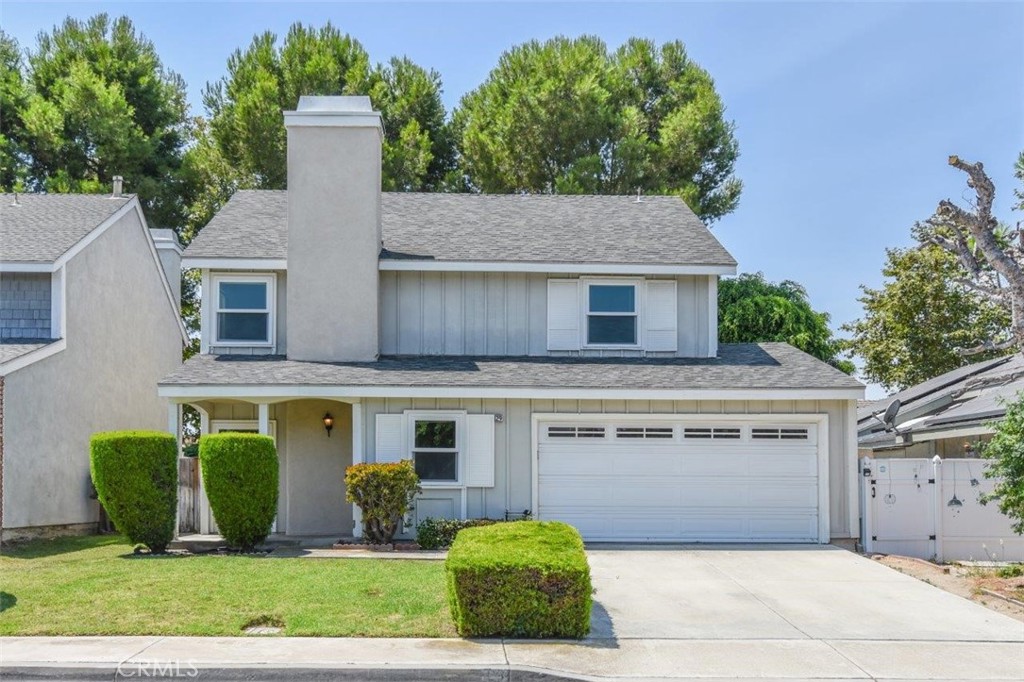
{"points": [[524, 579]]}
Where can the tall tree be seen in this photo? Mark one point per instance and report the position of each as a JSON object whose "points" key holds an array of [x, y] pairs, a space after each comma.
{"points": [[991, 254], [13, 164], [102, 104], [245, 106], [915, 325], [568, 116], [752, 309]]}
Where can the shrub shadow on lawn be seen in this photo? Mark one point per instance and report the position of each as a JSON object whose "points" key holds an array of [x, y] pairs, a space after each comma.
{"points": [[7, 601], [40, 549]]}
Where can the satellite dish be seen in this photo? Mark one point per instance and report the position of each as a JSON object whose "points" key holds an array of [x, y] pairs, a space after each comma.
{"points": [[889, 417]]}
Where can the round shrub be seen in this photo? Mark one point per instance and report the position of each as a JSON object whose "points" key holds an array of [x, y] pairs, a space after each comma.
{"points": [[240, 477], [135, 474], [384, 493]]}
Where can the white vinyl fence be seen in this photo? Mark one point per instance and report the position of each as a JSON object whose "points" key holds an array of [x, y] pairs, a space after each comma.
{"points": [[931, 508]]}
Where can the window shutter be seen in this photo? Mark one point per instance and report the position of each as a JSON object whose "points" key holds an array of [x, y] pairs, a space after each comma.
{"points": [[660, 315], [563, 314], [388, 437], [480, 451]]}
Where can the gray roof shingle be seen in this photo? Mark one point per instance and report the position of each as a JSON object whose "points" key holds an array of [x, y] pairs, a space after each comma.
{"points": [[659, 230], [739, 366], [40, 228]]}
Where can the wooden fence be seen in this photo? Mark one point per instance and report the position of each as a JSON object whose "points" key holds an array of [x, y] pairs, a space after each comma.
{"points": [[188, 495]]}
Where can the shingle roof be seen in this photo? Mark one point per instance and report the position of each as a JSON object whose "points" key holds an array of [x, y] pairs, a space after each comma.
{"points": [[9, 350], [739, 366], [41, 227], [487, 227], [969, 396]]}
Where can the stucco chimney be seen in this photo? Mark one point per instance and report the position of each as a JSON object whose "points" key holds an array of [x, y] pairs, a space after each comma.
{"points": [[334, 239], [168, 248]]}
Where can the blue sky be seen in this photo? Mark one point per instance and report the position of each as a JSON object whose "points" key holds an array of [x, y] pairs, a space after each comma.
{"points": [[845, 111]]}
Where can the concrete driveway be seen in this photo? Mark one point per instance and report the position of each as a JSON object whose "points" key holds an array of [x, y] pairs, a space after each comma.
{"points": [[790, 612]]}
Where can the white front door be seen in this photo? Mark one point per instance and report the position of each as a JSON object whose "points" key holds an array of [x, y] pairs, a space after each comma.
{"points": [[687, 480]]}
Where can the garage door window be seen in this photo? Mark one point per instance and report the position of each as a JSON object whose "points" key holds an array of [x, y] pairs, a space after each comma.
{"points": [[435, 453]]}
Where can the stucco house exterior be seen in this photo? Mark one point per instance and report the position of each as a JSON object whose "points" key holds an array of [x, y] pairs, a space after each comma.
{"points": [[89, 322], [556, 354]]}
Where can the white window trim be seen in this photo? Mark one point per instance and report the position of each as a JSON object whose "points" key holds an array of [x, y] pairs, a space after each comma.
{"points": [[223, 425], [585, 284], [459, 417], [270, 280]]}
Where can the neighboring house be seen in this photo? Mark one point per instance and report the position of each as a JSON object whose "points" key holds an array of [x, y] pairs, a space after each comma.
{"points": [[556, 354], [946, 416], [88, 324]]}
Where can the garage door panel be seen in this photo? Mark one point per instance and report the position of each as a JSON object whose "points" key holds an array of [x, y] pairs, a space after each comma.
{"points": [[646, 489]]}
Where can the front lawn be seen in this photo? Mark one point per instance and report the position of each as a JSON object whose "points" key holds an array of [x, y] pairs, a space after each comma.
{"points": [[96, 586]]}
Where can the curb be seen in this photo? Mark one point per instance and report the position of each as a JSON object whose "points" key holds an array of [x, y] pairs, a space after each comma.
{"points": [[108, 673]]}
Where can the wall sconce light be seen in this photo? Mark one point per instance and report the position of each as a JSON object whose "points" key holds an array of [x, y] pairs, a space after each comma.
{"points": [[499, 418], [328, 423]]}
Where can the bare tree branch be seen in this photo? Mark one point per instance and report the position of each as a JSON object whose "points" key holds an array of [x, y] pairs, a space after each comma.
{"points": [[986, 347]]}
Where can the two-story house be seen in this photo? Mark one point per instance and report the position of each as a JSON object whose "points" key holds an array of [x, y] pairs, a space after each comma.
{"points": [[556, 354], [89, 322]]}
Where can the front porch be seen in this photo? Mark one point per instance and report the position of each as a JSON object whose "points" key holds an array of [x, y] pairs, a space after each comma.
{"points": [[311, 501]]}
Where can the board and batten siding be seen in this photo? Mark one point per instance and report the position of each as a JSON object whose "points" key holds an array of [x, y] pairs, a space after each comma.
{"points": [[513, 483], [496, 313]]}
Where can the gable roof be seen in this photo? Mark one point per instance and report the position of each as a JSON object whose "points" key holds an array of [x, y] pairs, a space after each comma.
{"points": [[41, 228], [746, 367], [967, 397], [659, 230]]}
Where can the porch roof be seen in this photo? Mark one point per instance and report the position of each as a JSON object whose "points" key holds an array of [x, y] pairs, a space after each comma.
{"points": [[739, 367]]}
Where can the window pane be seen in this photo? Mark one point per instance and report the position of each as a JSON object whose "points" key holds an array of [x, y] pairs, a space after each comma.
{"points": [[612, 298], [611, 329], [242, 327], [435, 434], [243, 296], [436, 466]]}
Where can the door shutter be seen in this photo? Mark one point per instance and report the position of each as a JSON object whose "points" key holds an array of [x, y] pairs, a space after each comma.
{"points": [[563, 314], [480, 451], [660, 315], [389, 437]]}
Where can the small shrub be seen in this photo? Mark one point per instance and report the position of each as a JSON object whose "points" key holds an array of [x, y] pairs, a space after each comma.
{"points": [[240, 475], [1011, 571], [135, 474], [384, 492], [440, 533], [526, 579]]}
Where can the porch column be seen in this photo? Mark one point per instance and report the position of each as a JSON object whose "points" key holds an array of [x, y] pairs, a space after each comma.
{"points": [[357, 458], [263, 412], [203, 501], [174, 423]]}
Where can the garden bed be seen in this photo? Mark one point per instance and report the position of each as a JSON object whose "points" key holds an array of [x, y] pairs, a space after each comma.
{"points": [[983, 585]]}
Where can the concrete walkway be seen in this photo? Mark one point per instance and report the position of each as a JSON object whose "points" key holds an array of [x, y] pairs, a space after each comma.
{"points": [[782, 613]]}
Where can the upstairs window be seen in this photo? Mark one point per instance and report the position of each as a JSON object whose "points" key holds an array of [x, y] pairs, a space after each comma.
{"points": [[612, 314], [243, 310]]}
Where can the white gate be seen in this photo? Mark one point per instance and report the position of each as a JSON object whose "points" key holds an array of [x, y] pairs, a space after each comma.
{"points": [[931, 508]]}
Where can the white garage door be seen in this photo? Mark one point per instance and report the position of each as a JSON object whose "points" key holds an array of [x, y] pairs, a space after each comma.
{"points": [[680, 481]]}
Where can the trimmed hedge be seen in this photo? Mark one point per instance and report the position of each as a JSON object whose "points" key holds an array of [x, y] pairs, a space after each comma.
{"points": [[524, 579], [434, 533], [135, 474], [384, 493], [240, 475]]}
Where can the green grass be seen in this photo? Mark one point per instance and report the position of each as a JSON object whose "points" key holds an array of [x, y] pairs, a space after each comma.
{"points": [[96, 586]]}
